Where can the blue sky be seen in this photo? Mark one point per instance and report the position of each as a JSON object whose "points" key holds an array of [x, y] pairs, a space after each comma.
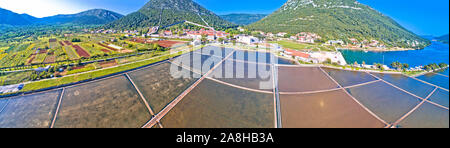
{"points": [[423, 17]]}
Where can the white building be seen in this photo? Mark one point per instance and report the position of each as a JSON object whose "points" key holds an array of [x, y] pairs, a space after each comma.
{"points": [[248, 39]]}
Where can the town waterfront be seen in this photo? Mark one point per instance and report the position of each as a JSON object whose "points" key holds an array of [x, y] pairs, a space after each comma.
{"points": [[435, 53]]}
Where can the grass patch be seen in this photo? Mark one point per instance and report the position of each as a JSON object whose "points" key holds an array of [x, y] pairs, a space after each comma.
{"points": [[303, 46], [71, 53], [90, 75], [14, 78], [412, 73]]}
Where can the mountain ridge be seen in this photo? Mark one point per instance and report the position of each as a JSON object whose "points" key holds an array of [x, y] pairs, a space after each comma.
{"points": [[339, 20], [167, 12], [88, 17]]}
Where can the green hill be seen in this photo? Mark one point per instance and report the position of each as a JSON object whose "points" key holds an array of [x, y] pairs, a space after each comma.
{"points": [[167, 12], [10, 18], [443, 39], [338, 19], [243, 19], [89, 17]]}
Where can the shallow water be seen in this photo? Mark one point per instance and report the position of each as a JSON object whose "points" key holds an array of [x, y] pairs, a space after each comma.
{"points": [[302, 79], [389, 103], [250, 75], [440, 97], [349, 78], [325, 110], [103, 104], [214, 105], [427, 116], [409, 84], [435, 79], [33, 111], [160, 86]]}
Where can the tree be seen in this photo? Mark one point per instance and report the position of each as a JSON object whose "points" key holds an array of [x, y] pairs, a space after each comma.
{"points": [[405, 65], [221, 40]]}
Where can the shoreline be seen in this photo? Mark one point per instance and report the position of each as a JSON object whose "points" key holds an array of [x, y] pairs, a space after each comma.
{"points": [[377, 49]]}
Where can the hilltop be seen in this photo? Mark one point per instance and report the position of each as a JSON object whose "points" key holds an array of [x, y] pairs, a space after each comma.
{"points": [[89, 17], [339, 20], [167, 12], [11, 18]]}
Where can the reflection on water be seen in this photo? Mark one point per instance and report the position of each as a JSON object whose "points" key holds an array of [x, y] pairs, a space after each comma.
{"points": [[158, 85], [213, 105], [409, 84], [389, 103], [435, 79], [349, 78], [427, 116], [440, 97], [301, 79], [104, 104], [34, 111], [325, 110]]}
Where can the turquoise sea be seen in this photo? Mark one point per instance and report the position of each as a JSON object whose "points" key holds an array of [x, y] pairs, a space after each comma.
{"points": [[435, 53]]}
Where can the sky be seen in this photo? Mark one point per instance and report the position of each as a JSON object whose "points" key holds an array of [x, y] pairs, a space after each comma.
{"points": [[423, 17]]}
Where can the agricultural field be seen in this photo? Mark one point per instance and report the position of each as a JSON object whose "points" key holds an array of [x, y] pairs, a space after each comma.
{"points": [[81, 51], [39, 58], [18, 58], [304, 46], [53, 43], [50, 59], [94, 49], [71, 53], [60, 54], [14, 77]]}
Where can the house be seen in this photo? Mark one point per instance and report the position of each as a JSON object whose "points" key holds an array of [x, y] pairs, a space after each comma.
{"points": [[281, 34], [298, 55], [167, 33], [247, 39], [196, 42]]}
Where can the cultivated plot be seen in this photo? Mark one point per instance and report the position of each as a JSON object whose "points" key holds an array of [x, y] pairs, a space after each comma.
{"points": [[348, 78], [303, 79], [213, 105], [107, 103], [440, 97], [334, 109], [409, 84], [427, 116], [389, 103], [160, 85], [435, 79], [33, 111], [249, 75]]}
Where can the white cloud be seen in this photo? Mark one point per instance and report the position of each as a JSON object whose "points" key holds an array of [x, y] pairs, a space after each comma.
{"points": [[41, 8]]}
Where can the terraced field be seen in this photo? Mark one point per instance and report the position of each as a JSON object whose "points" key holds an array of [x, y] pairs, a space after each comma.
{"points": [[71, 53]]}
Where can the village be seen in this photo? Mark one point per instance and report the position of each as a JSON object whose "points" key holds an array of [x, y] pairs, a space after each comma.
{"points": [[309, 48]]}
